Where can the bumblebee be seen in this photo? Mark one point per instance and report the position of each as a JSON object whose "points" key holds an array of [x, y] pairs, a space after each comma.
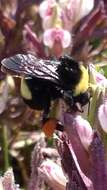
{"points": [[46, 80]]}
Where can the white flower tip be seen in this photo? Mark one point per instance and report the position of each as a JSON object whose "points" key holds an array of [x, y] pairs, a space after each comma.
{"points": [[102, 116], [52, 173], [45, 8]]}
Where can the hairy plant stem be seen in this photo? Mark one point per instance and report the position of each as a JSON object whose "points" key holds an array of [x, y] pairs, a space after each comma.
{"points": [[5, 146]]}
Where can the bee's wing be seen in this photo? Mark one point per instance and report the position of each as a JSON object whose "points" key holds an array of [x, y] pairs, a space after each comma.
{"points": [[29, 65]]}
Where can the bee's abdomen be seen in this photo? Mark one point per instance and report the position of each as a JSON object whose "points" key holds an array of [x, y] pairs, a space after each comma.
{"points": [[42, 92]]}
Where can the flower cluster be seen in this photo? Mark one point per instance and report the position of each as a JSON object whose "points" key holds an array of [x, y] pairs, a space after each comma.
{"points": [[58, 19]]}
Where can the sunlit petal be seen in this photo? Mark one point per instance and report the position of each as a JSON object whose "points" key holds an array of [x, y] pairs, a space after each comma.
{"points": [[53, 174], [55, 34]]}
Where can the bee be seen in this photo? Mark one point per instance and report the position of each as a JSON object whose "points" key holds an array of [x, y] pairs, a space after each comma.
{"points": [[43, 81]]}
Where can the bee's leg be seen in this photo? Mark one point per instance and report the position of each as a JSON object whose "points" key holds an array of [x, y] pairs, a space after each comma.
{"points": [[74, 103], [45, 116], [59, 126], [46, 111]]}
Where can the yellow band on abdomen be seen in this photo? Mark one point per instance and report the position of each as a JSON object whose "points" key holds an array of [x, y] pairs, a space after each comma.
{"points": [[83, 84], [25, 92]]}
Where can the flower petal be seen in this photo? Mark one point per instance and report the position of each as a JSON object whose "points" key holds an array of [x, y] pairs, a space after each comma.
{"points": [[84, 131], [45, 8], [55, 34]]}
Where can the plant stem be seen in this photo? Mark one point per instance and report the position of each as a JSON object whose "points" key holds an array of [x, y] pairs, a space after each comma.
{"points": [[93, 106], [5, 147]]}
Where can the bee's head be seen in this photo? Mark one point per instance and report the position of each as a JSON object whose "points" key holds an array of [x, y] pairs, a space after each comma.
{"points": [[69, 62], [69, 71]]}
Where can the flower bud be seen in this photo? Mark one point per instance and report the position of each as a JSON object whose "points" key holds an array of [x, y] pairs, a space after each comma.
{"points": [[84, 130]]}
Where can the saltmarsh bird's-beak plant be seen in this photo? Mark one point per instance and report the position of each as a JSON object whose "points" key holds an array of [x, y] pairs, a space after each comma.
{"points": [[52, 28]]}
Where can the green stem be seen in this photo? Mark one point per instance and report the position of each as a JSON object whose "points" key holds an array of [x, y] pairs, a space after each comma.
{"points": [[93, 107], [5, 147]]}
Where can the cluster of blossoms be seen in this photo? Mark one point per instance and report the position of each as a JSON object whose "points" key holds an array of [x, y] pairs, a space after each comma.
{"points": [[58, 20]]}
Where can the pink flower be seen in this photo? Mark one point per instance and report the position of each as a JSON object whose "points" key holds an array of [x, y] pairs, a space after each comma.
{"points": [[75, 10], [79, 8], [46, 8], [102, 115], [50, 13], [53, 35], [71, 11]]}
